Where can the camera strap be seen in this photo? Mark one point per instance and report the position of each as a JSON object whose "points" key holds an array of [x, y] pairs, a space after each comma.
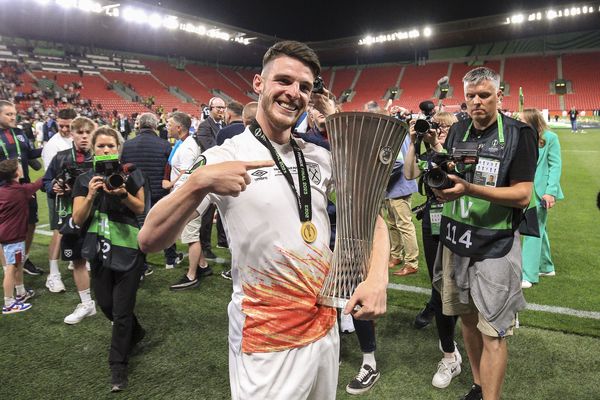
{"points": [[308, 230]]}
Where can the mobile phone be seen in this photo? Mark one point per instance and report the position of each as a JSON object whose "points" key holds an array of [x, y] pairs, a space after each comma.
{"points": [[543, 203]]}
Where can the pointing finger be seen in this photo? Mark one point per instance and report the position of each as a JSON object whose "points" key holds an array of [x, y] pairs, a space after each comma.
{"points": [[249, 165]]}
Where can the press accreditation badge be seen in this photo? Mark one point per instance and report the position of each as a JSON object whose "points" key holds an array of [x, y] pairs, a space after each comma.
{"points": [[435, 217], [486, 172]]}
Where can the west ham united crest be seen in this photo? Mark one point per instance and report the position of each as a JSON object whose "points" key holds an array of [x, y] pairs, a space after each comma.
{"points": [[314, 172]]}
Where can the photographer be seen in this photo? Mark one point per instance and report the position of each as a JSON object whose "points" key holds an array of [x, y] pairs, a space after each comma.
{"points": [[449, 365], [58, 185], [480, 250], [108, 218]]}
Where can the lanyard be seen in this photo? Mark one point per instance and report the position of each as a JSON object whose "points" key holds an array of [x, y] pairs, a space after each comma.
{"points": [[3, 145], [500, 130], [304, 198]]}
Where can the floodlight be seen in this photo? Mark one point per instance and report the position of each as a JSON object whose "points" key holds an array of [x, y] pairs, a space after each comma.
{"points": [[517, 18], [89, 5], [551, 14], [67, 3], [42, 2], [413, 33], [155, 20], [171, 22], [427, 32]]}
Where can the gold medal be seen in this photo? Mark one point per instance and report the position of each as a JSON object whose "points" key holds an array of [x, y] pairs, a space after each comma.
{"points": [[308, 231]]}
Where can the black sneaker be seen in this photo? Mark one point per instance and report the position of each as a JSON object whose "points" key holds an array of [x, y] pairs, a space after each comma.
{"points": [[424, 317], [179, 258], [31, 269], [226, 274], [474, 393], [118, 381], [149, 270], [363, 381], [209, 255], [224, 245], [185, 283], [204, 272]]}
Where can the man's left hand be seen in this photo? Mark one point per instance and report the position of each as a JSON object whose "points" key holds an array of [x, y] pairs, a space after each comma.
{"points": [[371, 296]]}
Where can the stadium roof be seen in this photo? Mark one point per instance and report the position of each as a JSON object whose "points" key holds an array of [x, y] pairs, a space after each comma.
{"points": [[318, 20], [333, 29]]}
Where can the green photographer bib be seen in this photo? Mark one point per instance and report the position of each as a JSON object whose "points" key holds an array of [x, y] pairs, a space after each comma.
{"points": [[473, 227]]}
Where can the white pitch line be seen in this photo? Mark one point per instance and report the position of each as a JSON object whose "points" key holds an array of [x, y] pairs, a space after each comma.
{"points": [[43, 232], [530, 306]]}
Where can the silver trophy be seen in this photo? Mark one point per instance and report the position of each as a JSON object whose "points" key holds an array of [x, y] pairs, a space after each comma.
{"points": [[364, 147]]}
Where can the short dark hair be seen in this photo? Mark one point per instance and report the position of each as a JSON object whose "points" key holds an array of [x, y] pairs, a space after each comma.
{"points": [[236, 108], [297, 50], [183, 120], [8, 169], [67, 113]]}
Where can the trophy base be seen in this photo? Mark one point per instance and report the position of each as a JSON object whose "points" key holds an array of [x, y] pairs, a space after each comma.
{"points": [[335, 302]]}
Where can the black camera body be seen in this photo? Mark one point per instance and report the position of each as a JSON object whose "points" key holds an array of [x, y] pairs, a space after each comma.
{"points": [[425, 123], [115, 175], [459, 162], [318, 85], [67, 176]]}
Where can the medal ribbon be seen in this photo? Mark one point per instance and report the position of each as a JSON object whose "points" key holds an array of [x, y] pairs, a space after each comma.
{"points": [[304, 197]]}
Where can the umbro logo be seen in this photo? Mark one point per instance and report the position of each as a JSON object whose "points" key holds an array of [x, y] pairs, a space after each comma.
{"points": [[259, 174]]}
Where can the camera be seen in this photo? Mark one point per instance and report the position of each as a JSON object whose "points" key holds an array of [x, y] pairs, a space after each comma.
{"points": [[425, 123], [318, 85], [66, 178], [439, 165], [115, 175]]}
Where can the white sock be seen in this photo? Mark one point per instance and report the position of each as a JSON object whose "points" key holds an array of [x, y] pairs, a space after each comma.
{"points": [[20, 290], [450, 356], [4, 268], [54, 267], [8, 301], [369, 359], [85, 296]]}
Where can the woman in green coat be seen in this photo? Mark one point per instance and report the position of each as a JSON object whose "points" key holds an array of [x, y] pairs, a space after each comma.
{"points": [[537, 260]]}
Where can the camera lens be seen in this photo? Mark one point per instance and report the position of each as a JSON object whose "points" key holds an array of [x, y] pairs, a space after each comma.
{"points": [[422, 126], [114, 181], [438, 179]]}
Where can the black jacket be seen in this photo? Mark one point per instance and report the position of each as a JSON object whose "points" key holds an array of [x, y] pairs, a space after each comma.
{"points": [[150, 154], [206, 137]]}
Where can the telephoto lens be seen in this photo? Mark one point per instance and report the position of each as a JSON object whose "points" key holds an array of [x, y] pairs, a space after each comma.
{"points": [[437, 178]]}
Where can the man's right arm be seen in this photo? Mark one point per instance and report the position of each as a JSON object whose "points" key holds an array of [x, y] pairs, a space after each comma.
{"points": [[168, 217]]}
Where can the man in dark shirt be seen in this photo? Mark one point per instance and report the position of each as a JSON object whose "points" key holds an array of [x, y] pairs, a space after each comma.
{"points": [[480, 248], [235, 124], [150, 154], [14, 144]]}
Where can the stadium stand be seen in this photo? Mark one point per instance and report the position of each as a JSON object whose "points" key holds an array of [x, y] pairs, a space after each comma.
{"points": [[535, 75], [582, 70], [373, 84]]}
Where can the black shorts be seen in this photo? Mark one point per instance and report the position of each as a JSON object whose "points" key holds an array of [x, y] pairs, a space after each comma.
{"points": [[70, 247], [33, 211]]}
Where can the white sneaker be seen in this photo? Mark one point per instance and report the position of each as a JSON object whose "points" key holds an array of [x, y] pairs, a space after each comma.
{"points": [[70, 267], [526, 284], [81, 311], [169, 266], [346, 323], [551, 273], [447, 370], [55, 284]]}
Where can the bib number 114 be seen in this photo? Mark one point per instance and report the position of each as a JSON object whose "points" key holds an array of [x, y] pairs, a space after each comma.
{"points": [[451, 235]]}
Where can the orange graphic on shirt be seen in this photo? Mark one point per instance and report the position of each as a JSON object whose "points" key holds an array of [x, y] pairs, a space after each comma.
{"points": [[281, 310]]}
